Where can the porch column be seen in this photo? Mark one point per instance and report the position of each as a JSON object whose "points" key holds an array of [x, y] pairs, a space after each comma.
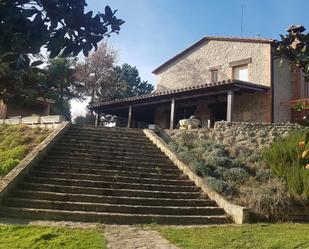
{"points": [[172, 114], [129, 117], [229, 109], [97, 119]]}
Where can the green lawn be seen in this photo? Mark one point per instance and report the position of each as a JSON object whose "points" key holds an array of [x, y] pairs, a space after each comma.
{"points": [[36, 237], [260, 236]]}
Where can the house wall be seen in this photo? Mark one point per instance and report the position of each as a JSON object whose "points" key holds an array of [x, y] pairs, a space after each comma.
{"points": [[42, 110], [161, 116], [194, 67], [7, 111], [250, 107], [283, 90]]}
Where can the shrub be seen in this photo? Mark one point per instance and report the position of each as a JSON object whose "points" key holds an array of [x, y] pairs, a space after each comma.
{"points": [[237, 175], [270, 198], [200, 168], [263, 175], [8, 165], [284, 159], [219, 186], [241, 176], [219, 162]]}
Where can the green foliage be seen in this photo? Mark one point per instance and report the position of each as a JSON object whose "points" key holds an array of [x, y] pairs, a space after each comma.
{"points": [[61, 26], [219, 185], [62, 85], [25, 237], [284, 159], [133, 85], [15, 142], [294, 46], [124, 82], [258, 236]]}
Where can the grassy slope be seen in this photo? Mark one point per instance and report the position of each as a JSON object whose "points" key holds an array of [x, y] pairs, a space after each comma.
{"points": [[26, 237], [16, 142], [260, 236]]}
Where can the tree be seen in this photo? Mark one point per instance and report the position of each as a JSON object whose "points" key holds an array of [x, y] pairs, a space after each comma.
{"points": [[134, 86], [61, 83], [294, 46], [126, 82], [61, 26], [97, 70]]}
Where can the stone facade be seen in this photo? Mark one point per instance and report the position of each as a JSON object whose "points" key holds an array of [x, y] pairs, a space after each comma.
{"points": [[250, 135], [194, 67]]}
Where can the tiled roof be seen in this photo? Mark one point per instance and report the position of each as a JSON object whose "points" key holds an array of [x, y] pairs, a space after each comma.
{"points": [[174, 91], [209, 38]]}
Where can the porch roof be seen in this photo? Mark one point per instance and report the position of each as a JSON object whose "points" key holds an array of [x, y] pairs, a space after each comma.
{"points": [[219, 87]]}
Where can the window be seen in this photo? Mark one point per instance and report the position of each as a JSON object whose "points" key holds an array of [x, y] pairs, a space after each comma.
{"points": [[214, 75], [240, 73]]}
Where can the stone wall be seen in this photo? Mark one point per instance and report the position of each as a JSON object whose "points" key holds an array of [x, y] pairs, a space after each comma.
{"points": [[194, 67], [250, 135]]}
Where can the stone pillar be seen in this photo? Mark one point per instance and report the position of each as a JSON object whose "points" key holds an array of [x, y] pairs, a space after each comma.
{"points": [[172, 114], [129, 117], [229, 109]]}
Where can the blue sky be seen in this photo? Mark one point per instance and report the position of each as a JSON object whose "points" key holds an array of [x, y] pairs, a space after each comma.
{"points": [[156, 30]]}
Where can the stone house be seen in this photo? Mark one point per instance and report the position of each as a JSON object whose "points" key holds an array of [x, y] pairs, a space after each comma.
{"points": [[217, 78], [41, 107]]}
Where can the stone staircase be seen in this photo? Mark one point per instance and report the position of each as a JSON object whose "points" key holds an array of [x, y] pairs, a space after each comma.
{"points": [[110, 175]]}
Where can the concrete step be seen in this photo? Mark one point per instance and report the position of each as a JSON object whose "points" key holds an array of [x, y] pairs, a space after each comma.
{"points": [[109, 185], [121, 162], [104, 134], [106, 146], [131, 168], [111, 208], [53, 196], [99, 139], [116, 153], [106, 129], [113, 218], [107, 191], [102, 170], [115, 178], [110, 156]]}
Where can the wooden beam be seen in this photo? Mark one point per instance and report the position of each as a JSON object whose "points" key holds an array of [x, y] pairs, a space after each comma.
{"points": [[172, 114], [223, 93], [129, 117], [229, 110]]}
